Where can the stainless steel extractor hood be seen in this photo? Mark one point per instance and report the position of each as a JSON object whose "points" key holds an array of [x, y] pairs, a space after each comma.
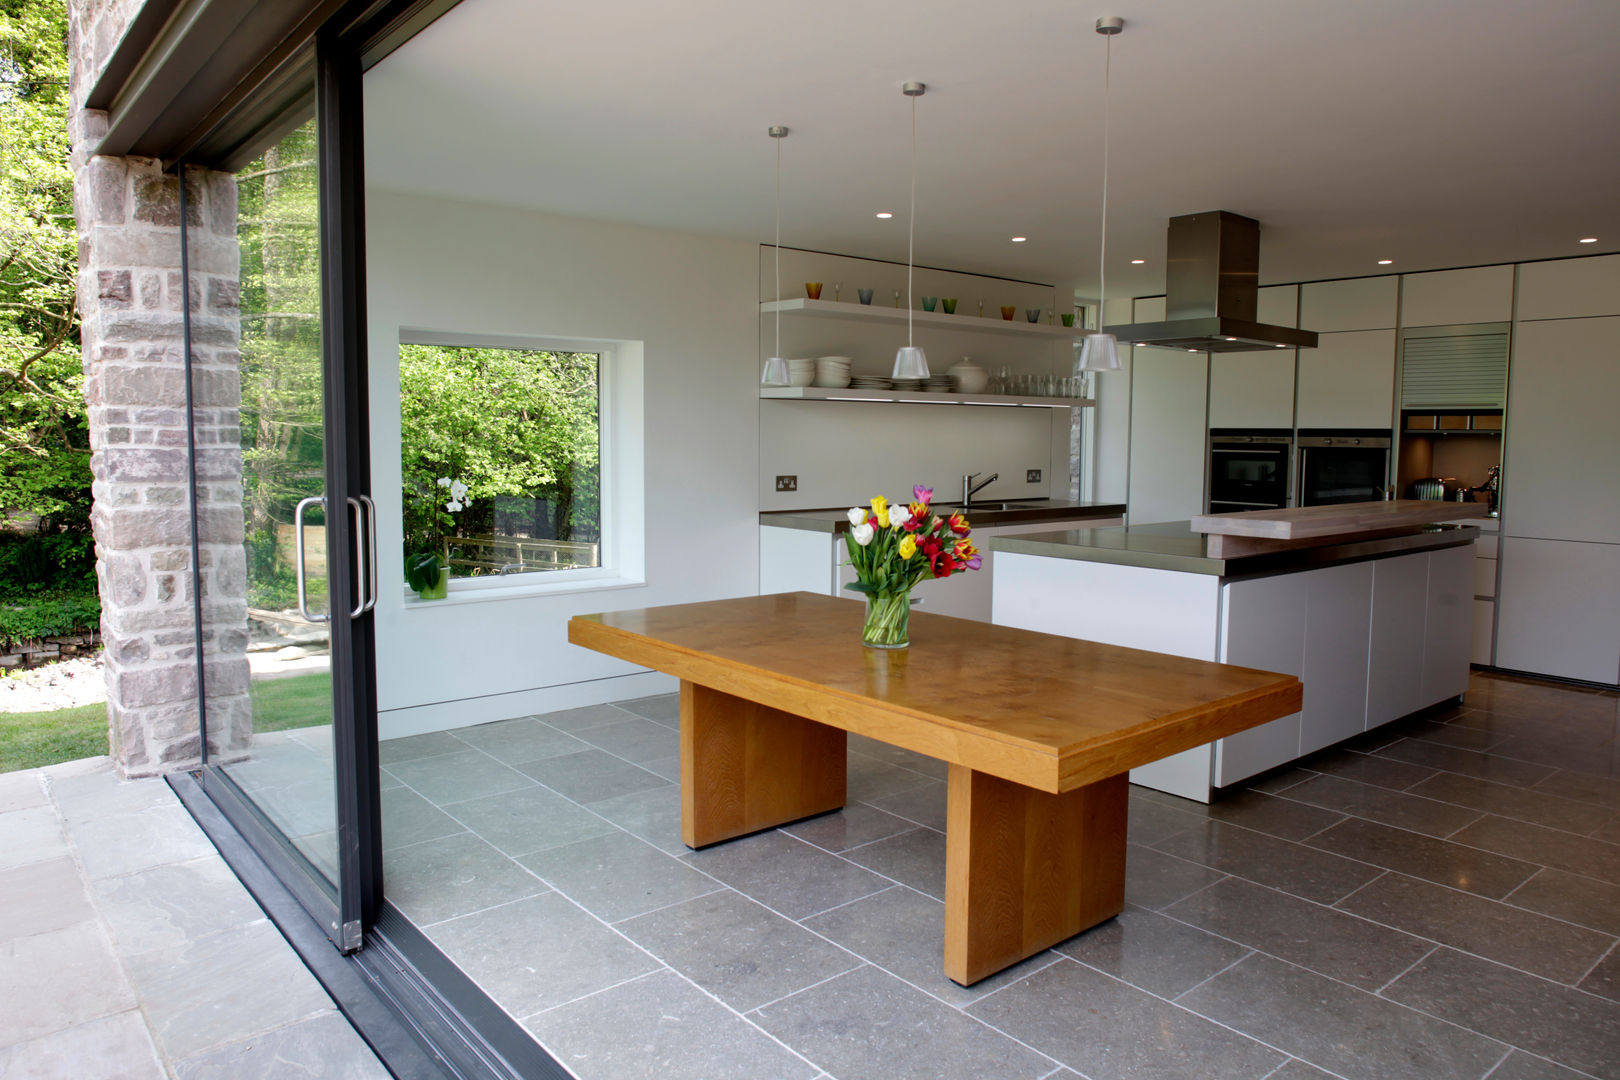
{"points": [[1212, 291]]}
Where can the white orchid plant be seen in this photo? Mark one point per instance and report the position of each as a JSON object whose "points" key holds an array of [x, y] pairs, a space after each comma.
{"points": [[422, 569]]}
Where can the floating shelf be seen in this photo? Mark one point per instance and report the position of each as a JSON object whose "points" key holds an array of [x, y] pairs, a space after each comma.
{"points": [[833, 309], [915, 397]]}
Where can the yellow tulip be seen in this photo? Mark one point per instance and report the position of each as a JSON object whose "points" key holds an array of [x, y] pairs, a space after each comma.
{"points": [[908, 546], [880, 511]]}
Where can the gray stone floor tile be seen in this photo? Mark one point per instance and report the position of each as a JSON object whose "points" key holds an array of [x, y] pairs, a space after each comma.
{"points": [[742, 953], [454, 778], [33, 834], [617, 877], [1148, 820], [21, 790], [574, 721], [1154, 880], [1280, 817], [653, 814], [1280, 781], [854, 825], [1573, 898], [1604, 979], [1468, 762], [664, 708], [635, 739], [323, 1048], [300, 808], [1339, 1028], [1396, 808], [392, 752], [903, 932], [1160, 955], [213, 989], [277, 766], [1549, 847], [100, 794], [925, 804], [1508, 935], [667, 767], [787, 875], [41, 896], [85, 982], [153, 837], [539, 952], [1569, 1026], [1522, 1066], [1295, 1069], [408, 818], [455, 875], [915, 858], [513, 742], [895, 755], [1453, 734], [1507, 801], [591, 776], [1107, 1030], [1315, 875], [166, 906], [1369, 769], [1440, 861], [528, 820], [1329, 942], [1608, 833], [661, 1028], [868, 779], [869, 1025], [1582, 755], [1582, 788], [114, 1047]]}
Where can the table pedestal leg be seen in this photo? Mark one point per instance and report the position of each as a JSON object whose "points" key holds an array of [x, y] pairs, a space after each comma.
{"points": [[1025, 869], [747, 767]]}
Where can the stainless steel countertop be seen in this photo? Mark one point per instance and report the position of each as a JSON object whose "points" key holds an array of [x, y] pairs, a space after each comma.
{"points": [[1030, 512], [1172, 545]]}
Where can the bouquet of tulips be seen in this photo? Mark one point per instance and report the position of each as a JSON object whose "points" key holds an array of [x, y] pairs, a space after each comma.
{"points": [[894, 546]]}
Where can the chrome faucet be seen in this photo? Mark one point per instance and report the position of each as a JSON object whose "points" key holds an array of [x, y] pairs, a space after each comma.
{"points": [[970, 488]]}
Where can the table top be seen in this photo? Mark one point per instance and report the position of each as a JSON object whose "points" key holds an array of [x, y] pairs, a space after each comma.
{"points": [[1336, 520], [1050, 712]]}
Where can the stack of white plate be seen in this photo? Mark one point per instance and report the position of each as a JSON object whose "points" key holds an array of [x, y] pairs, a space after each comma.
{"points": [[938, 384], [832, 372], [801, 372], [906, 384], [869, 382]]}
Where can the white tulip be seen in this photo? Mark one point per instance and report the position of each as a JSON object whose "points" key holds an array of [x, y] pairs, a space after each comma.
{"points": [[899, 515], [857, 515], [862, 534]]}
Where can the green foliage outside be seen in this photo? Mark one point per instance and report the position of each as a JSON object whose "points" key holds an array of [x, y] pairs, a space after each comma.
{"points": [[47, 578], [517, 427]]}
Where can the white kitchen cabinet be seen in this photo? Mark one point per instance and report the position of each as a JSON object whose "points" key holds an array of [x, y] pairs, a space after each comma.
{"points": [[1400, 605], [1449, 617], [1569, 288], [1484, 578], [1484, 630], [1352, 304], [1559, 476], [1558, 609], [1263, 627], [1337, 626], [1252, 389], [1348, 381], [1168, 432], [1478, 294]]}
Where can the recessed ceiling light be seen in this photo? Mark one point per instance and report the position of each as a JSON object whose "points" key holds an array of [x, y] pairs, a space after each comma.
{"points": [[1282, 346], [1138, 262], [1385, 262], [1588, 239], [884, 214], [1019, 239], [1229, 339]]}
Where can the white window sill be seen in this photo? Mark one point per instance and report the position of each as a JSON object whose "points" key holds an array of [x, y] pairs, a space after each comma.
{"points": [[527, 590]]}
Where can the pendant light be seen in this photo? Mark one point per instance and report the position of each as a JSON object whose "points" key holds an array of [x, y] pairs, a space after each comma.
{"points": [[1100, 352], [776, 368], [909, 361]]}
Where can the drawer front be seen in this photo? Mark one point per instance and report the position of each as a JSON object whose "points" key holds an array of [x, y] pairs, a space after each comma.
{"points": [[1485, 546], [1484, 577]]}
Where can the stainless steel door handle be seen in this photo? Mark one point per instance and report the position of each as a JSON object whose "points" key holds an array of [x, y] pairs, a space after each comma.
{"points": [[365, 554], [298, 557]]}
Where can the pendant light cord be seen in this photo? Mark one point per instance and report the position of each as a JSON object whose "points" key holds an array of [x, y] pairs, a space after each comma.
{"points": [[1102, 247], [911, 222], [778, 248]]}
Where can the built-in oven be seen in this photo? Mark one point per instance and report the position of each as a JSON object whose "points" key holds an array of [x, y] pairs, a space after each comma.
{"points": [[1248, 469], [1341, 466]]}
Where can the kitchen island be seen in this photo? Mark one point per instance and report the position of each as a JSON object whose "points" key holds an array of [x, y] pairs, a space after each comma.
{"points": [[1377, 624]]}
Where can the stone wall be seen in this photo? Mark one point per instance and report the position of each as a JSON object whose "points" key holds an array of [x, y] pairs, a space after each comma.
{"points": [[131, 299]]}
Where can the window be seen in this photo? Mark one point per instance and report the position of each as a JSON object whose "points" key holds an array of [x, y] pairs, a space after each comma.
{"points": [[501, 459]]}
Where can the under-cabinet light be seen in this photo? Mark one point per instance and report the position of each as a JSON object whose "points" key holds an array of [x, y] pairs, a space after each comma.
{"points": [[884, 214]]}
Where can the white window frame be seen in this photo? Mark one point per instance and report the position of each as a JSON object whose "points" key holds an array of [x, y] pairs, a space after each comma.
{"points": [[620, 435]]}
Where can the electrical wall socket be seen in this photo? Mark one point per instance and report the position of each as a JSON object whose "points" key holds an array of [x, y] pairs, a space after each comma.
{"points": [[787, 483], [1032, 476]]}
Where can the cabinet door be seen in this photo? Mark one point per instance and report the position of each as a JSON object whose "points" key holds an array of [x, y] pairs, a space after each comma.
{"points": [[1484, 630], [1558, 609], [1348, 380], [1560, 480], [1338, 619], [1353, 304], [1263, 626], [1449, 637], [1254, 390], [1395, 665], [1168, 441], [1569, 288], [1449, 297]]}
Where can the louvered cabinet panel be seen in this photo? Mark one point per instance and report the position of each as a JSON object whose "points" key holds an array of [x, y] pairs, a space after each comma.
{"points": [[1455, 370]]}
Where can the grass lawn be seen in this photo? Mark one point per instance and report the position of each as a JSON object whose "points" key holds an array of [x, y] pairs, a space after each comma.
{"points": [[30, 740]]}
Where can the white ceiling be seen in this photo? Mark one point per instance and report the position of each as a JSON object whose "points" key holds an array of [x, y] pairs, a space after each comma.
{"points": [[1432, 133]]}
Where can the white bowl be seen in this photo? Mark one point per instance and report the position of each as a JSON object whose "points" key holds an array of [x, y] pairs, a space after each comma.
{"points": [[831, 382], [970, 380]]}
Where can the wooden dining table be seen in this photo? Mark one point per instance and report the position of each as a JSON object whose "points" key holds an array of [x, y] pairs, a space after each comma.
{"points": [[1039, 733]]}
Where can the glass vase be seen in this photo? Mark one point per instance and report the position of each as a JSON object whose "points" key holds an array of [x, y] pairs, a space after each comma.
{"points": [[888, 621]]}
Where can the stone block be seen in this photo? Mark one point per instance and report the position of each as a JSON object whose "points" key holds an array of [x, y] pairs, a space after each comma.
{"points": [[157, 199], [193, 295], [128, 650], [115, 289], [124, 579], [158, 417], [130, 465], [151, 291], [224, 295], [123, 384], [107, 181], [174, 559], [140, 527], [222, 203], [155, 684]]}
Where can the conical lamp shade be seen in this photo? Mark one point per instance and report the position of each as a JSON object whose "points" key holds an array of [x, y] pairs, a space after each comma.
{"points": [[1099, 353], [776, 372], [910, 363]]}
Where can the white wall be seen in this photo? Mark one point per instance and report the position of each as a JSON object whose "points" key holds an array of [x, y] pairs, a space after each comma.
{"points": [[447, 267]]}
